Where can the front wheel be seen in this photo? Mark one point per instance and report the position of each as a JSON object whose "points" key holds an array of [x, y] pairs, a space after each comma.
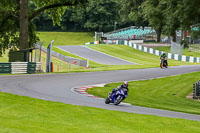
{"points": [[107, 101], [118, 100]]}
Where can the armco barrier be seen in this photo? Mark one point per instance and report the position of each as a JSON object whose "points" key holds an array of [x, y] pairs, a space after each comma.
{"points": [[5, 67], [31, 68], [20, 67], [153, 51]]}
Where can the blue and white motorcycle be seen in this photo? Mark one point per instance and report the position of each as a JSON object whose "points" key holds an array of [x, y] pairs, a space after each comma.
{"points": [[117, 96]]}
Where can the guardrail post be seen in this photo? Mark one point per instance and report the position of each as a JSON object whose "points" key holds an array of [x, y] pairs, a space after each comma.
{"points": [[5, 67], [49, 54]]}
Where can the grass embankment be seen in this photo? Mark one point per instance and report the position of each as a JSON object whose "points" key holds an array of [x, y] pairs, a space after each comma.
{"points": [[166, 93], [65, 38], [127, 53], [4, 57], [144, 60], [21, 114], [186, 51]]}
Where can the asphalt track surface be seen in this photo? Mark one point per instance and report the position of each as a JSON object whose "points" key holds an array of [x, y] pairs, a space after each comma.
{"points": [[58, 87], [95, 56]]}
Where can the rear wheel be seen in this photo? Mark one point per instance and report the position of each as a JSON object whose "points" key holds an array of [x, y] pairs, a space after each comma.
{"points": [[161, 65], [118, 100]]}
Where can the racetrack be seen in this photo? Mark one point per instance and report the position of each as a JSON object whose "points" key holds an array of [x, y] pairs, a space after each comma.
{"points": [[57, 87]]}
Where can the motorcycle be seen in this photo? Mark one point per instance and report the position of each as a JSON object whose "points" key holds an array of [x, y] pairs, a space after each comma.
{"points": [[163, 63], [117, 97]]}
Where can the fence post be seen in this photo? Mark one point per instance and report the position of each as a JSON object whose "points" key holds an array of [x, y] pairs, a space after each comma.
{"points": [[49, 54]]}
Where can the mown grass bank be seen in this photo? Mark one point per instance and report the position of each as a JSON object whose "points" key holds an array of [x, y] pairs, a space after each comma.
{"points": [[165, 93], [4, 57], [133, 55], [21, 114], [143, 59], [65, 38]]}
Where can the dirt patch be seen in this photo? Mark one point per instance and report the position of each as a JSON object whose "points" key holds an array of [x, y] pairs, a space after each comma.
{"points": [[190, 96]]}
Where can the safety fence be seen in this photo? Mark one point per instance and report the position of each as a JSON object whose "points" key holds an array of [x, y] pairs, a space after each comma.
{"points": [[152, 51], [70, 60], [20, 67]]}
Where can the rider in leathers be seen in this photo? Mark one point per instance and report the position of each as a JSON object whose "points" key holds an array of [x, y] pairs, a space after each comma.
{"points": [[125, 86]]}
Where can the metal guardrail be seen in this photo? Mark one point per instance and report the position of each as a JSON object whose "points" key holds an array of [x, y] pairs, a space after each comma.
{"points": [[5, 67], [196, 90], [18, 67]]}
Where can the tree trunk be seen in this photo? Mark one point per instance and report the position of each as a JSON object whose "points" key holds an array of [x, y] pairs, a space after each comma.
{"points": [[174, 36], [158, 32], [23, 24]]}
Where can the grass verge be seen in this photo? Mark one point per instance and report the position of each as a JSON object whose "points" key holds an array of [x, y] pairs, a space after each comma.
{"points": [[165, 93], [124, 52], [4, 57], [21, 114], [186, 51], [133, 55]]}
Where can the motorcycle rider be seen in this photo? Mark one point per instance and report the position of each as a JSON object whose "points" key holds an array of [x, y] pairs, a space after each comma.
{"points": [[124, 85], [163, 58]]}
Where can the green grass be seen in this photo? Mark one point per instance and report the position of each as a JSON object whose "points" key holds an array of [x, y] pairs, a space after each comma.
{"points": [[4, 57], [133, 55], [65, 38], [185, 51], [124, 52], [165, 93], [19, 114]]}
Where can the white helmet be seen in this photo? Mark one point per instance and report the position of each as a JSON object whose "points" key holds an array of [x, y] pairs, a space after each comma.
{"points": [[126, 83]]}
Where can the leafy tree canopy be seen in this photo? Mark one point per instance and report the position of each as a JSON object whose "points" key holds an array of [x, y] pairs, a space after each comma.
{"points": [[10, 14]]}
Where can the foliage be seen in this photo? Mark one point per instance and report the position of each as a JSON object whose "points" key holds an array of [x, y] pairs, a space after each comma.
{"points": [[181, 14], [10, 13], [153, 13], [131, 12], [97, 16]]}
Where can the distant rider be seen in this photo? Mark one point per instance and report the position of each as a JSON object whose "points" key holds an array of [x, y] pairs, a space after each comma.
{"points": [[124, 85], [163, 58]]}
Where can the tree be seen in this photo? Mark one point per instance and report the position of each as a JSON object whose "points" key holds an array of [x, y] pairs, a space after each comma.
{"points": [[16, 18], [153, 13], [101, 15], [131, 12], [180, 15]]}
